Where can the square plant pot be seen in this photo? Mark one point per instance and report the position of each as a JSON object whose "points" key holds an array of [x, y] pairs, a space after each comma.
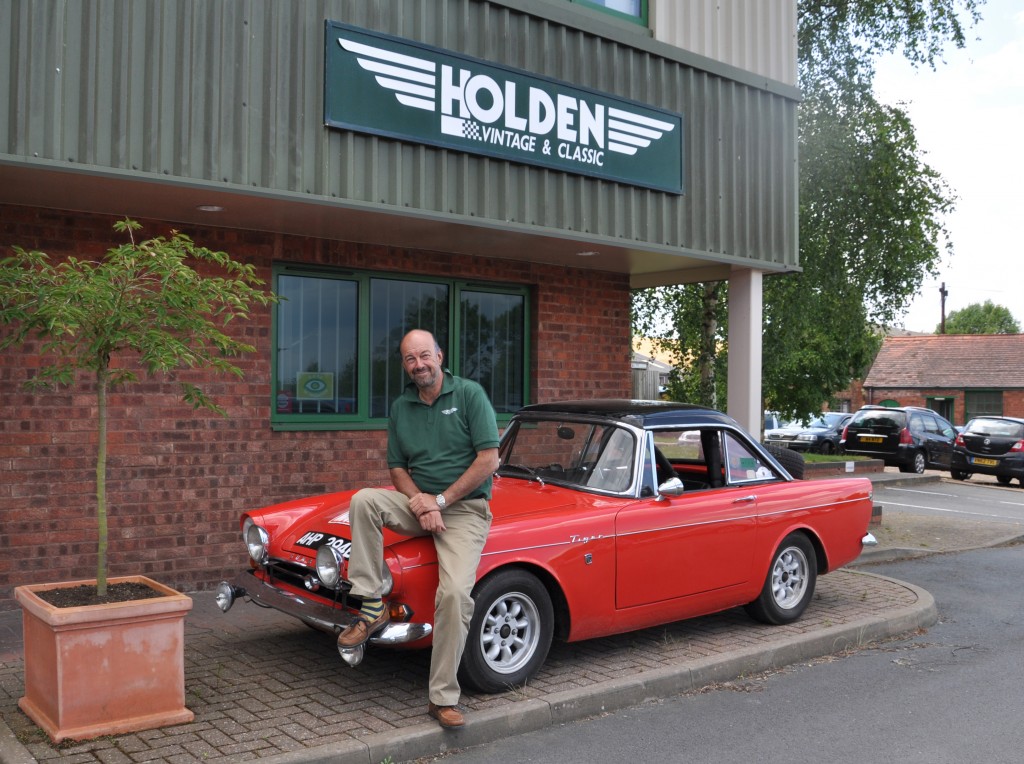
{"points": [[104, 669]]}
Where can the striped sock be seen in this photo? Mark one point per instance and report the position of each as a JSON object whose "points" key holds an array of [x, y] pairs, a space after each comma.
{"points": [[372, 609]]}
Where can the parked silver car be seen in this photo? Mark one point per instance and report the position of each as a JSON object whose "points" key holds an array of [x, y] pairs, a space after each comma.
{"points": [[820, 435]]}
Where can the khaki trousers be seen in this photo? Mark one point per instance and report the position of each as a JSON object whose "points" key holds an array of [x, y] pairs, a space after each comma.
{"points": [[458, 555]]}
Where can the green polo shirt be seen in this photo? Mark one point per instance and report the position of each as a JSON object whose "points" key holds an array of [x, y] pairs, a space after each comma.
{"points": [[437, 443]]}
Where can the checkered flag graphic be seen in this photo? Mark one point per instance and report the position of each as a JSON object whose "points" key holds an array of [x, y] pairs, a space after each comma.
{"points": [[470, 130]]}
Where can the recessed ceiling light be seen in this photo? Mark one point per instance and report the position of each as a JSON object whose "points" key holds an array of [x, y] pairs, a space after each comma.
{"points": [[210, 208]]}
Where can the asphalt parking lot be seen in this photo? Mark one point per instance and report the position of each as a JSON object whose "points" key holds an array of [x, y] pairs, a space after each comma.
{"points": [[264, 687]]}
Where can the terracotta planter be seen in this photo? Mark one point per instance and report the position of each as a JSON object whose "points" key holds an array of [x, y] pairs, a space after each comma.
{"points": [[104, 669]]}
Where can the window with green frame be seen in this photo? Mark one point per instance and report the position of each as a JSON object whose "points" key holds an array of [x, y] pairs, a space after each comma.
{"points": [[631, 10], [982, 403], [336, 335]]}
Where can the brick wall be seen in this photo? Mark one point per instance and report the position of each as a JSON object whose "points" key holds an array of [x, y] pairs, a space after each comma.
{"points": [[178, 479]]}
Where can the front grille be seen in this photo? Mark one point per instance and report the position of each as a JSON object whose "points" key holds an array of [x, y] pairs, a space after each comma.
{"points": [[293, 574]]}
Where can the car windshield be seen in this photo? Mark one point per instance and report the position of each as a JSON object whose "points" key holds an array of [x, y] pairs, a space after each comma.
{"points": [[995, 428], [584, 455]]}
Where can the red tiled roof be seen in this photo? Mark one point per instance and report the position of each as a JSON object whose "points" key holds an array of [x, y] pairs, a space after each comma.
{"points": [[949, 360]]}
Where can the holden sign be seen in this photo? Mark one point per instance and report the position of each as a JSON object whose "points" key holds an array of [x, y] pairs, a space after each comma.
{"points": [[397, 88]]}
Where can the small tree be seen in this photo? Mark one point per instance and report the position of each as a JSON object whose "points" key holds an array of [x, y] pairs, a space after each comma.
{"points": [[145, 300]]}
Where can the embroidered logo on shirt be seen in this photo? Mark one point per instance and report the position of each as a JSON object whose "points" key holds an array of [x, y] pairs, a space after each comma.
{"points": [[449, 412]]}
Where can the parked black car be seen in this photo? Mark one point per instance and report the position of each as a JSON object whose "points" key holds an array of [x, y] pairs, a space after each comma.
{"points": [[990, 445], [821, 435], [910, 438]]}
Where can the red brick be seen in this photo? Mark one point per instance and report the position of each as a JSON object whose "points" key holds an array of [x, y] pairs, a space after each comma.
{"points": [[179, 479]]}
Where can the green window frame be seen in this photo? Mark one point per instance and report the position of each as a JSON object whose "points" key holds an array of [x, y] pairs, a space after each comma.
{"points": [[628, 10], [982, 403], [335, 337]]}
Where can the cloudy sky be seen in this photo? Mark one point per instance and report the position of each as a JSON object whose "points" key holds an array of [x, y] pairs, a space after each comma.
{"points": [[969, 117]]}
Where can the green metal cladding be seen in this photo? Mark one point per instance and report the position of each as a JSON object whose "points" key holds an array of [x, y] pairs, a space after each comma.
{"points": [[231, 92]]}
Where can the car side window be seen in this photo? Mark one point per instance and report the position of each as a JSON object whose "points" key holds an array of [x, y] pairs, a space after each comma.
{"points": [[743, 464], [917, 424], [680, 453]]}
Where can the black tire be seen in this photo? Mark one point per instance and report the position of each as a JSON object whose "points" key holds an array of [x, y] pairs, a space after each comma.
{"points": [[959, 474], [792, 461], [1004, 480], [510, 633], [917, 465], [827, 448], [789, 586]]}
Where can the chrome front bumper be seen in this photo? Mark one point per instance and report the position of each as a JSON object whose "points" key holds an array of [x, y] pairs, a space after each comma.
{"points": [[316, 614], [869, 540]]}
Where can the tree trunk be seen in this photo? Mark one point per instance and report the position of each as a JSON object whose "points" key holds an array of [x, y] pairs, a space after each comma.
{"points": [[706, 356], [102, 383]]}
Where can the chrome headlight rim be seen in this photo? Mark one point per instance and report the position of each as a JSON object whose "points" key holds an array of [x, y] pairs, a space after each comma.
{"points": [[257, 542], [328, 566]]}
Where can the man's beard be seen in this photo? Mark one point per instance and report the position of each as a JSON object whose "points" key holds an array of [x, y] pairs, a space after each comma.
{"points": [[425, 382]]}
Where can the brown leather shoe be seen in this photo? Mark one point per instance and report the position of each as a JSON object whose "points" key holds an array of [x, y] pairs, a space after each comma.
{"points": [[360, 631], [448, 717]]}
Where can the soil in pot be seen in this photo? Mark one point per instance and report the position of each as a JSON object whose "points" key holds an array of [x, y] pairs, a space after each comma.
{"points": [[76, 596]]}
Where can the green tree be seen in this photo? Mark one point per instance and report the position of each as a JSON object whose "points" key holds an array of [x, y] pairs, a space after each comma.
{"points": [[981, 318], [145, 304], [871, 214]]}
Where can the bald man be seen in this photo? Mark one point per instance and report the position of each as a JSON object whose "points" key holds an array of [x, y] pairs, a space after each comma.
{"points": [[442, 452]]}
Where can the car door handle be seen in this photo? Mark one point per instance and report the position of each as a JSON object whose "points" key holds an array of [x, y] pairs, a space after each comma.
{"points": [[745, 499]]}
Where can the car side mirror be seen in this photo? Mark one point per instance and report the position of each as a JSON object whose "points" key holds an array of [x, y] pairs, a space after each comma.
{"points": [[671, 487]]}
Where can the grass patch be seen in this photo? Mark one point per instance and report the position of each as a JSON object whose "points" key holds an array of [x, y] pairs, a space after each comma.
{"points": [[819, 458]]}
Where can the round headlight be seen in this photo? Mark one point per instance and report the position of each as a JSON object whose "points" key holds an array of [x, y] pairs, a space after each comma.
{"points": [[328, 566], [256, 540]]}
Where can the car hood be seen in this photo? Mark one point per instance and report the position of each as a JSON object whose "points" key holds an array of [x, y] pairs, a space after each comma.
{"points": [[293, 526]]}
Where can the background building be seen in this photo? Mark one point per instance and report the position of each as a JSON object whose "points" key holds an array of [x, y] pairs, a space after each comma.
{"points": [[960, 376]]}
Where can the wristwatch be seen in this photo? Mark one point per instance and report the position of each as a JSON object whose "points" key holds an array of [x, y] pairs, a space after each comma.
{"points": [[440, 501]]}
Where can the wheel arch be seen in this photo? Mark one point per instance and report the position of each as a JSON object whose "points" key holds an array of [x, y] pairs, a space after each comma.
{"points": [[559, 603], [819, 548]]}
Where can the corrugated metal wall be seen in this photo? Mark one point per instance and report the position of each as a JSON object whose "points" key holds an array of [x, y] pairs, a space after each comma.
{"points": [[231, 92], [757, 36]]}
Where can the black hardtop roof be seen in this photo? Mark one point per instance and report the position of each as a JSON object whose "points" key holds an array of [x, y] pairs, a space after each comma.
{"points": [[649, 413]]}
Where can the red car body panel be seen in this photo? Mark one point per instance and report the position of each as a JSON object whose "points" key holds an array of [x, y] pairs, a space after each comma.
{"points": [[618, 564]]}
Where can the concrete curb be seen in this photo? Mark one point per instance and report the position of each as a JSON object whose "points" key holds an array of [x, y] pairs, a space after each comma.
{"points": [[573, 705], [895, 554]]}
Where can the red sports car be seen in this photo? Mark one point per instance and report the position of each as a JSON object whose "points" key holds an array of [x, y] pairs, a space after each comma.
{"points": [[609, 516]]}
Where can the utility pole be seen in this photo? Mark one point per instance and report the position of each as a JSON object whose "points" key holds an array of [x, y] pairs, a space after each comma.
{"points": [[943, 292]]}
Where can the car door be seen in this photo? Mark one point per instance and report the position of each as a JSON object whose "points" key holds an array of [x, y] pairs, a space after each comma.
{"points": [[669, 547], [941, 437]]}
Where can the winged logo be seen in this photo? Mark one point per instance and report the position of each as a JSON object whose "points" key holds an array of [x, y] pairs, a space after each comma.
{"points": [[414, 80], [628, 132]]}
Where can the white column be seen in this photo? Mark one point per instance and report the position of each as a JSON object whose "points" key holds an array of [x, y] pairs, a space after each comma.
{"points": [[745, 319]]}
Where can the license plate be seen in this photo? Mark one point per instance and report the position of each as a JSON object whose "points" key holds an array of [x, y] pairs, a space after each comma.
{"points": [[871, 438], [984, 462]]}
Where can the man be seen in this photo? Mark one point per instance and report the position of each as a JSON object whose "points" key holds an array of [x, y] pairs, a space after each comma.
{"points": [[442, 452]]}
